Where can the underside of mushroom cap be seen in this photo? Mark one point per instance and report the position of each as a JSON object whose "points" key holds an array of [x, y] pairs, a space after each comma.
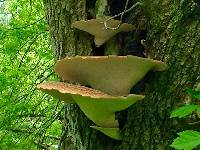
{"points": [[113, 133], [97, 28], [102, 110], [114, 75], [97, 106]]}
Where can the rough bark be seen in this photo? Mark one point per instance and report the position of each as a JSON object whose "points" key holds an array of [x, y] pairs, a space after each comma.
{"points": [[66, 41], [173, 36]]}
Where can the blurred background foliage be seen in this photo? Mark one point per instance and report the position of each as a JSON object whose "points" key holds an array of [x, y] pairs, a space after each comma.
{"points": [[29, 119]]}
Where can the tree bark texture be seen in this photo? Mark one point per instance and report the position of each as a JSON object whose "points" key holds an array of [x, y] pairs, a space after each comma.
{"points": [[171, 30]]}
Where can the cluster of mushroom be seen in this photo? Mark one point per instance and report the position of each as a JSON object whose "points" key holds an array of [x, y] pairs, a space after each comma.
{"points": [[110, 79]]}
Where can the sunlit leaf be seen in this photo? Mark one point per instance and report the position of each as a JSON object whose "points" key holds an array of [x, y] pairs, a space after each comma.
{"points": [[187, 140], [184, 111]]}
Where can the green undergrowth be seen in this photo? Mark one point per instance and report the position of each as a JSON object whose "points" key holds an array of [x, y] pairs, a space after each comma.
{"points": [[188, 139]]}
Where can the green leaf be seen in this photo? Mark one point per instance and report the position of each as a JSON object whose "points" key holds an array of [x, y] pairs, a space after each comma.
{"points": [[187, 140], [193, 93], [184, 111]]}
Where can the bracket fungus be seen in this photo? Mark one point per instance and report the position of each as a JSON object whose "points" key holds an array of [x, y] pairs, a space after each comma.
{"points": [[98, 28], [57, 90], [113, 133], [114, 75], [111, 78], [97, 106], [61, 91]]}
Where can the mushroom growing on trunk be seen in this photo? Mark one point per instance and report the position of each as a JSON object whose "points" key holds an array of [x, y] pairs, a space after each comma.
{"points": [[99, 28], [97, 106], [114, 75]]}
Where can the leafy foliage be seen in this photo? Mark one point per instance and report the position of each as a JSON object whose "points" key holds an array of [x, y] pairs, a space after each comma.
{"points": [[187, 139], [29, 119], [185, 111], [193, 93]]}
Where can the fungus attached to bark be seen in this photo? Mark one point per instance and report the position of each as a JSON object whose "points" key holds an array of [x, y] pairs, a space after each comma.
{"points": [[113, 133], [97, 106], [97, 28], [114, 75]]}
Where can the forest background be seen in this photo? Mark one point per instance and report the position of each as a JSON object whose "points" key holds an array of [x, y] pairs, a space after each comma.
{"points": [[30, 119]]}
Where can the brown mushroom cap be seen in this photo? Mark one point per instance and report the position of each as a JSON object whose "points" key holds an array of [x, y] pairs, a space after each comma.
{"points": [[114, 75], [97, 106], [62, 90], [96, 28]]}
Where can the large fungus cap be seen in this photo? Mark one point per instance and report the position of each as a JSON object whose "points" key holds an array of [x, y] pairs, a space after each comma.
{"points": [[97, 106], [97, 28], [114, 75], [113, 133]]}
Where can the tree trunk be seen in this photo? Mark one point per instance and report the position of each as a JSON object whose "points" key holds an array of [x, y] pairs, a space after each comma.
{"points": [[172, 32]]}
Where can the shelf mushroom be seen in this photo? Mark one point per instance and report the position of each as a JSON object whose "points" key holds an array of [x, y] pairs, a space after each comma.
{"points": [[97, 106], [114, 75], [98, 29], [57, 90]]}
